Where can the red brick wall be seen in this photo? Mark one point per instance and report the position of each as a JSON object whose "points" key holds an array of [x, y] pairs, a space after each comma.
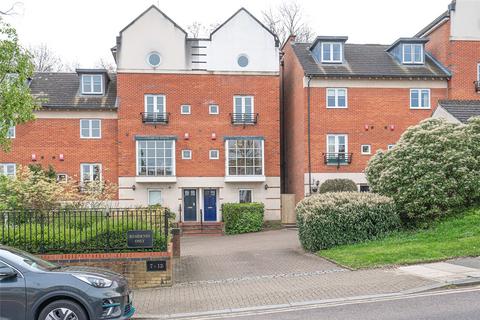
{"points": [[460, 57], [198, 91], [377, 107], [47, 138], [295, 126]]}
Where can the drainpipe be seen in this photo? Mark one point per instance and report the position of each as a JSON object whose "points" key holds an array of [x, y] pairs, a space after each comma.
{"points": [[283, 144], [308, 138]]}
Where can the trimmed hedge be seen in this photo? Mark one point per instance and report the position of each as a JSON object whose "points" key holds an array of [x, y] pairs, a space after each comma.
{"points": [[338, 185], [332, 219], [242, 217]]}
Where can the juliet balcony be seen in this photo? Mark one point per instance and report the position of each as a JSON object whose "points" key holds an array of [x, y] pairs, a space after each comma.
{"points": [[337, 159], [244, 118], [155, 117], [477, 86]]}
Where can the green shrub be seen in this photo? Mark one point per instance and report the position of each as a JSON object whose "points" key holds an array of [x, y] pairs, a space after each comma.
{"points": [[242, 217], [433, 170], [331, 219], [338, 185]]}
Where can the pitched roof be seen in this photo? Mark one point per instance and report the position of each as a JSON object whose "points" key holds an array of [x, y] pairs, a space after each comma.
{"points": [[62, 91], [154, 7], [438, 21], [461, 109], [367, 60]]}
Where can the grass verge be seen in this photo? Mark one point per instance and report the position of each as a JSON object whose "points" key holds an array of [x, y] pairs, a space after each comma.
{"points": [[457, 236]]}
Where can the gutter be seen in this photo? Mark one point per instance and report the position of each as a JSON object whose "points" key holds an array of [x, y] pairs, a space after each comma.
{"points": [[308, 137]]}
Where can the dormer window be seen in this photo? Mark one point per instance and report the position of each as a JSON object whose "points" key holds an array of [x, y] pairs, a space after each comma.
{"points": [[413, 53], [332, 52], [92, 84]]}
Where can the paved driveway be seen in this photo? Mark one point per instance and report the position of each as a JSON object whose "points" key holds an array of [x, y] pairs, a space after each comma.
{"points": [[262, 254]]}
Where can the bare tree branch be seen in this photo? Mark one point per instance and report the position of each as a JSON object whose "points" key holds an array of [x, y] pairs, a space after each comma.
{"points": [[45, 60], [12, 9], [105, 64], [288, 19]]}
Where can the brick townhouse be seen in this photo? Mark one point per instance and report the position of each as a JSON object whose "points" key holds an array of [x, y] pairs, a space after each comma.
{"points": [[342, 102], [187, 123]]}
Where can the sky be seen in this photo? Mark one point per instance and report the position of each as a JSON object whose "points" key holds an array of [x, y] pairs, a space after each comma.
{"points": [[83, 31]]}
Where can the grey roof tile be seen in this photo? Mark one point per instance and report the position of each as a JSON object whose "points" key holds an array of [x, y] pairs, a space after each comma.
{"points": [[62, 91], [461, 109], [367, 60]]}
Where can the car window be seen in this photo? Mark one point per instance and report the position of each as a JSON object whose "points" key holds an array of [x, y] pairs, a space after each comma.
{"points": [[30, 261]]}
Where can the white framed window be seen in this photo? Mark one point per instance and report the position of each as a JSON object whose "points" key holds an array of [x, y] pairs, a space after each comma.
{"points": [[92, 84], [390, 146], [214, 154], [337, 143], [8, 169], [186, 154], [90, 172], [90, 128], [366, 149], [156, 158], [185, 109], [154, 197], [62, 177], [245, 196], [337, 98], [243, 105], [412, 53], [11, 133], [332, 52], [419, 98], [244, 157], [478, 72], [213, 109], [154, 59], [155, 103], [243, 60]]}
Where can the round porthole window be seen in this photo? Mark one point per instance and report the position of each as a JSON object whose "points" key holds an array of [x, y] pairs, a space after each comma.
{"points": [[154, 59], [242, 61]]}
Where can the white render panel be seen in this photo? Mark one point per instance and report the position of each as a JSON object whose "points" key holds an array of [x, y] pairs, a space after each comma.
{"points": [[357, 177], [442, 113], [242, 35], [75, 114], [465, 20], [152, 32], [375, 83], [227, 192]]}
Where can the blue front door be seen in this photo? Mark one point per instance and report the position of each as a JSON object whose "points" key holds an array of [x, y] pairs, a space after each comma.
{"points": [[210, 204]]}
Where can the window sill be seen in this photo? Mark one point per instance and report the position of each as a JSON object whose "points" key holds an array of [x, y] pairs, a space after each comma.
{"points": [[337, 107], [245, 178], [417, 108], [151, 179]]}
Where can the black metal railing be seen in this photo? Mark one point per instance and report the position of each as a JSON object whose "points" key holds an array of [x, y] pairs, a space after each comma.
{"points": [[82, 231], [338, 159], [244, 118], [155, 117], [477, 86]]}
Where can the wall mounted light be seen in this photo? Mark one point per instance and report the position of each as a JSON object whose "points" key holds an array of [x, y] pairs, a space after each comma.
{"points": [[61, 157], [34, 157], [266, 186], [214, 136], [392, 127], [134, 187], [366, 127], [186, 136]]}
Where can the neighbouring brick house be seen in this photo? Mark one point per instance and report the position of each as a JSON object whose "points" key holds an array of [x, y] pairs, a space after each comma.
{"points": [[343, 102], [187, 123]]}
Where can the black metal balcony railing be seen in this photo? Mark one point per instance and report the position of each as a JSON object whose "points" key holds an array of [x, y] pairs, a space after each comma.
{"points": [[244, 118], [337, 158], [155, 117], [477, 86]]}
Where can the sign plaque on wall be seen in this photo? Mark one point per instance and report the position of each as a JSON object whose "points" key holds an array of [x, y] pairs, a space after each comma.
{"points": [[140, 239], [157, 265]]}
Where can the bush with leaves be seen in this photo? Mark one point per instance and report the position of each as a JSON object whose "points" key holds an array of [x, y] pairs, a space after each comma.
{"points": [[242, 217], [433, 170], [331, 219], [338, 185]]}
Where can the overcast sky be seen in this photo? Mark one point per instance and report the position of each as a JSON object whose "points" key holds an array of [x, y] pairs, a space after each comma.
{"points": [[83, 31]]}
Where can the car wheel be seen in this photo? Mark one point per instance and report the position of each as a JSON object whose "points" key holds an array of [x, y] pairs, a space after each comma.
{"points": [[63, 310]]}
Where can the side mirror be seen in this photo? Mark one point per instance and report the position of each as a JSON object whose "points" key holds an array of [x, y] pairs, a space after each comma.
{"points": [[7, 272]]}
